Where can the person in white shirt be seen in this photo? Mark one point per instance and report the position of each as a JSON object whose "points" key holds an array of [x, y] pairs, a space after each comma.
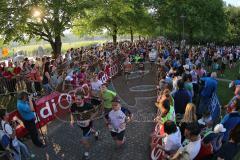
{"points": [[117, 120], [172, 140], [192, 133], [96, 85], [20, 149]]}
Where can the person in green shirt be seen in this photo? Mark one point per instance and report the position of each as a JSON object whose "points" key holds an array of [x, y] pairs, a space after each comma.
{"points": [[107, 96], [167, 111]]}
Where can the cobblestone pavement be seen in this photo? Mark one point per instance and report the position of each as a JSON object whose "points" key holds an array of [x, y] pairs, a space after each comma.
{"points": [[64, 141]]}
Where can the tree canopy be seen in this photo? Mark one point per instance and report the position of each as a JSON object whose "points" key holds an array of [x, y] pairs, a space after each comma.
{"points": [[200, 20], [44, 19]]}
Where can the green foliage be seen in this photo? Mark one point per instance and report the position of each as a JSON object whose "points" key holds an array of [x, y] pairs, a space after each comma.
{"points": [[233, 15], [43, 19], [204, 20], [115, 17]]}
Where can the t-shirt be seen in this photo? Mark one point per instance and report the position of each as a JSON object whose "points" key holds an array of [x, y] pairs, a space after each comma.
{"points": [[170, 115], [193, 148], [228, 151], [96, 86], [24, 110], [108, 96], [117, 119], [205, 151], [82, 114], [172, 142]]}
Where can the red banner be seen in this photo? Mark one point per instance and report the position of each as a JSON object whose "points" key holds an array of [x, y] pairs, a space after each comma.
{"points": [[52, 106]]}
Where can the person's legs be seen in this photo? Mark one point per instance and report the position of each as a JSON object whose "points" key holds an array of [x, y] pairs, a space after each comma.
{"points": [[24, 150], [85, 140], [32, 129], [17, 153], [120, 138]]}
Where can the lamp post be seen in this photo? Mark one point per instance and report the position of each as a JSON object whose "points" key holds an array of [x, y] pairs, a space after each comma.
{"points": [[183, 19]]}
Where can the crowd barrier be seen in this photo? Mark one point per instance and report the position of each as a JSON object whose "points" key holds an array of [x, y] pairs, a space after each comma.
{"points": [[54, 105], [156, 143]]}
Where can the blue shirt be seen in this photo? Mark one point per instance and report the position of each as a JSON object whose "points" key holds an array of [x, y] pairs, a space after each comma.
{"points": [[210, 86], [229, 122], [25, 110], [181, 99]]}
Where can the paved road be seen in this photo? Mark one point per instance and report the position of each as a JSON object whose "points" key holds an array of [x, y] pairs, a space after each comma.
{"points": [[139, 96]]}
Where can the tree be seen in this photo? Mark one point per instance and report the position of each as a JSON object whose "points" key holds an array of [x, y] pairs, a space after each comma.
{"points": [[138, 20], [44, 19], [204, 20], [109, 15], [233, 15]]}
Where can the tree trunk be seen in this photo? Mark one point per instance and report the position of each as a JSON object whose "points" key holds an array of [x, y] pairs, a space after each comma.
{"points": [[114, 35], [131, 32], [139, 37], [56, 46]]}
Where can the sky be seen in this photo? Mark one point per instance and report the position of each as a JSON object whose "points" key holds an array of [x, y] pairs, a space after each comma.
{"points": [[233, 2]]}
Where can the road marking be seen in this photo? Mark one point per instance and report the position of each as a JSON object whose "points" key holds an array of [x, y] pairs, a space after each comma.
{"points": [[143, 88]]}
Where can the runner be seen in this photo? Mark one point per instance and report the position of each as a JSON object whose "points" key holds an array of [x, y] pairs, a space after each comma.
{"points": [[83, 113], [107, 96], [117, 119], [141, 65], [127, 67]]}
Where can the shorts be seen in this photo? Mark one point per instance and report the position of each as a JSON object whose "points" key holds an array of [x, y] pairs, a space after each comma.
{"points": [[86, 130], [118, 136], [230, 61]]}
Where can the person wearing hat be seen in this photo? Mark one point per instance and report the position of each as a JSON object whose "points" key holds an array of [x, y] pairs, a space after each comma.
{"points": [[231, 148], [117, 119]]}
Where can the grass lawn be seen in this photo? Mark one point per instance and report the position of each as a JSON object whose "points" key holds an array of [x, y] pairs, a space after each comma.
{"points": [[233, 73], [32, 49], [224, 93]]}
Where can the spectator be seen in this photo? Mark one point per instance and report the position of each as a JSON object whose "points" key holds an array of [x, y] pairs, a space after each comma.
{"points": [[189, 117], [206, 150], [231, 119], [26, 109], [36, 78], [172, 140], [209, 88], [192, 133], [231, 147], [47, 79], [20, 149], [181, 98]]}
